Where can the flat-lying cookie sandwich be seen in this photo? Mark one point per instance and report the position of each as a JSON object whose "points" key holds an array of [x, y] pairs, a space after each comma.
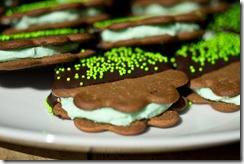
{"points": [[52, 14], [123, 90], [175, 7], [228, 21], [213, 67], [40, 48], [145, 30]]}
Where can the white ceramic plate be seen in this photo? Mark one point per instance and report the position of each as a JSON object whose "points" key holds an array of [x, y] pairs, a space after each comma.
{"points": [[25, 119]]}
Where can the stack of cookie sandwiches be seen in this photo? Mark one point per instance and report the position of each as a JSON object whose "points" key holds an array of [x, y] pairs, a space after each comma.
{"points": [[52, 14], [122, 90], [213, 64]]}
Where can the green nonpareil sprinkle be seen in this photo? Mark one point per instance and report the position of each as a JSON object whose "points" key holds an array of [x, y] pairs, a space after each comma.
{"points": [[221, 46], [122, 61], [42, 33], [229, 19], [108, 22], [49, 106], [38, 5]]}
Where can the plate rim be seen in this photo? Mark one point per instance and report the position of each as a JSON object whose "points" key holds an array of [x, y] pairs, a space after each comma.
{"points": [[219, 138]]}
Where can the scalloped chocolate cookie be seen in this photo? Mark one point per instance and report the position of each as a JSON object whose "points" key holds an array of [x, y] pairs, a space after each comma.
{"points": [[123, 90], [220, 88], [40, 48], [52, 14], [147, 30]]}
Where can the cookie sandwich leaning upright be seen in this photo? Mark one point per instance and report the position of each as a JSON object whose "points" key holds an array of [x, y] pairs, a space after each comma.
{"points": [[41, 48], [213, 67], [52, 14], [123, 90], [213, 64], [148, 30]]}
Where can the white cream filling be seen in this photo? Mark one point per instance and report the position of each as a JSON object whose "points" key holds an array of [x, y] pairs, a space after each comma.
{"points": [[110, 115], [147, 31], [55, 17], [207, 93], [36, 52], [156, 9]]}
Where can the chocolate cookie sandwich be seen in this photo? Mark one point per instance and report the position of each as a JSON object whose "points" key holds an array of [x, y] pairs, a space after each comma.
{"points": [[213, 67], [123, 90], [175, 7], [137, 31], [41, 48], [52, 14]]}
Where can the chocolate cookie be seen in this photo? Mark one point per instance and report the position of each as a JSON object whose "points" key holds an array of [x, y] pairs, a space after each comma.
{"points": [[145, 30], [224, 83], [123, 90], [213, 67], [25, 50], [52, 14], [176, 7]]}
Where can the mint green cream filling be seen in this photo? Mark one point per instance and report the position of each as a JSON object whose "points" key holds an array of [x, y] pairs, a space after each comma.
{"points": [[156, 9], [36, 52], [207, 93], [55, 17], [111, 116], [147, 31]]}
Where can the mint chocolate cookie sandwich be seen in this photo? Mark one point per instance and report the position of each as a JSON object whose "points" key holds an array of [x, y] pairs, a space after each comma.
{"points": [[41, 48], [123, 90], [213, 67], [137, 31], [52, 14], [175, 7]]}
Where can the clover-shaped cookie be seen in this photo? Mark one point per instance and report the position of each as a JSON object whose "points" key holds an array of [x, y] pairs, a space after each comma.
{"points": [[125, 103]]}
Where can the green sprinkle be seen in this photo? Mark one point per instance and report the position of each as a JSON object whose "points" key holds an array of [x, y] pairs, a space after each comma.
{"points": [[229, 19], [172, 60], [129, 71], [38, 5], [49, 106], [120, 61], [222, 46], [36, 34], [109, 22]]}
